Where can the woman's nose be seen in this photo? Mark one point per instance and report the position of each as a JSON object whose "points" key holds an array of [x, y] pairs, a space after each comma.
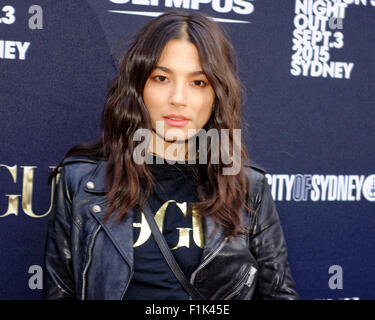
{"points": [[178, 94]]}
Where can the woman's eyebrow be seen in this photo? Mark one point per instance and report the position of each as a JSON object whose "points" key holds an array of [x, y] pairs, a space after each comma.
{"points": [[165, 69]]}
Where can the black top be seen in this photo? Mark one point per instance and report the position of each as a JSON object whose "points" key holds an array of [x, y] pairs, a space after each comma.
{"points": [[175, 190]]}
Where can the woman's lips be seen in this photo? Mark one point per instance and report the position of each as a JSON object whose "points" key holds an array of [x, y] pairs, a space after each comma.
{"points": [[176, 120]]}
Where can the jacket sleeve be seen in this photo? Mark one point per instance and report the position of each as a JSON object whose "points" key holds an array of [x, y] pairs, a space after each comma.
{"points": [[268, 245], [58, 271]]}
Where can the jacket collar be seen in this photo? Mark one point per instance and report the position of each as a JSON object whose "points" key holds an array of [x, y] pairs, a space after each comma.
{"points": [[96, 182]]}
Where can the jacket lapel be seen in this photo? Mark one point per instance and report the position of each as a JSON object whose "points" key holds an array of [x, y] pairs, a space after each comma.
{"points": [[213, 236], [121, 233]]}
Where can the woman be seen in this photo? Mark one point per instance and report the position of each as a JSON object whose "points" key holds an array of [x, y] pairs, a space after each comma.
{"points": [[169, 143]]}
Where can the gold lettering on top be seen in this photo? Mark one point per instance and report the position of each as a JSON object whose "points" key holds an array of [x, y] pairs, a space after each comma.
{"points": [[198, 235], [144, 233], [184, 233], [12, 198], [183, 238], [145, 228]]}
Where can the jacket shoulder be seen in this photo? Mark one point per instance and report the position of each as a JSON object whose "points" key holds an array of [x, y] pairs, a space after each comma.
{"points": [[255, 166], [254, 171], [77, 164], [75, 170], [79, 159], [256, 175]]}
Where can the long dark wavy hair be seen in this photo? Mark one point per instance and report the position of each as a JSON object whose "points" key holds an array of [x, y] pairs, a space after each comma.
{"points": [[129, 184]]}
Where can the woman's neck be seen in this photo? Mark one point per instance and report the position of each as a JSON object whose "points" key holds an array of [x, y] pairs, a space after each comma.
{"points": [[172, 150]]}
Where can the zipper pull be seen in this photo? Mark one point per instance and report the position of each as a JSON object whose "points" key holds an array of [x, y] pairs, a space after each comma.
{"points": [[250, 279]]}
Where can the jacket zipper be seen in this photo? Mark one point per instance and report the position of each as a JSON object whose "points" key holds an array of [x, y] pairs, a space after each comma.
{"points": [[247, 280], [207, 260], [88, 262]]}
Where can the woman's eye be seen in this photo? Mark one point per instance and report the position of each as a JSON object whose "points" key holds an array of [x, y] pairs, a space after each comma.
{"points": [[200, 83], [160, 78]]}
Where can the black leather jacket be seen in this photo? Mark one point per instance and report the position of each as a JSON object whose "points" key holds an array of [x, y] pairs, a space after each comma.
{"points": [[87, 259]]}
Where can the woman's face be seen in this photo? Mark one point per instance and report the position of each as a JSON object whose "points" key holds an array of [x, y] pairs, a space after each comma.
{"points": [[177, 93]]}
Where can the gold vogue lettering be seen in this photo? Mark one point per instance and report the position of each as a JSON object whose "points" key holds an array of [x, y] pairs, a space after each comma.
{"points": [[184, 233], [27, 193]]}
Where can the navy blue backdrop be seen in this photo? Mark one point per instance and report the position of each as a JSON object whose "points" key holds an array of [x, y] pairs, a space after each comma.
{"points": [[309, 71]]}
